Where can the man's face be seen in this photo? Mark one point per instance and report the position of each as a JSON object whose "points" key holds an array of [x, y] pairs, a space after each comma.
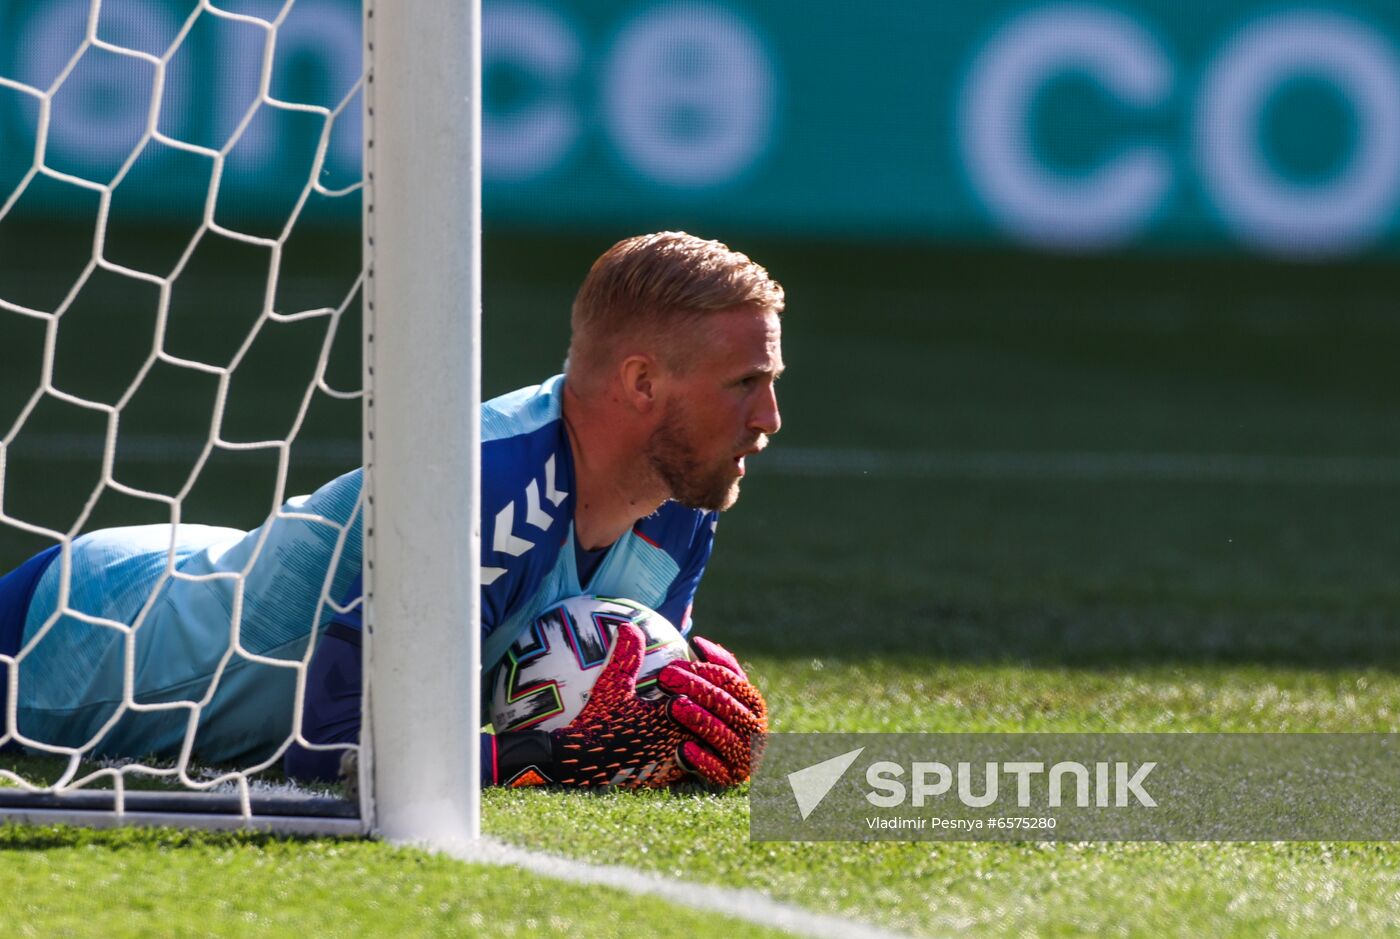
{"points": [[722, 409]]}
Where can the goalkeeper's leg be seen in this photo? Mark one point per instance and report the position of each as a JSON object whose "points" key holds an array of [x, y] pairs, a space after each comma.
{"points": [[331, 714], [331, 706], [16, 590]]}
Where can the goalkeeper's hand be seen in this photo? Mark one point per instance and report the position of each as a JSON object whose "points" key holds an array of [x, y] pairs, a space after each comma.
{"points": [[718, 703], [618, 739]]}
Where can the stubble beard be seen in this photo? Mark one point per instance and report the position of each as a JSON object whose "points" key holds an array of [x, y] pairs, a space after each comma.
{"points": [[674, 461]]}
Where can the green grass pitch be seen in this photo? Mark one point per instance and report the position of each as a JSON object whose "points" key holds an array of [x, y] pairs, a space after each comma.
{"points": [[993, 589]]}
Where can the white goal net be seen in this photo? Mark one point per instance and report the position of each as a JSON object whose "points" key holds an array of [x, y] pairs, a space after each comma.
{"points": [[188, 282]]}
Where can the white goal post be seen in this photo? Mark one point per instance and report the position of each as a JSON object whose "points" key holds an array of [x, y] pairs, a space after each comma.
{"points": [[418, 755], [422, 425]]}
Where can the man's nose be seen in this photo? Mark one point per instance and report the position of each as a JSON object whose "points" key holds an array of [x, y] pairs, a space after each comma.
{"points": [[766, 418]]}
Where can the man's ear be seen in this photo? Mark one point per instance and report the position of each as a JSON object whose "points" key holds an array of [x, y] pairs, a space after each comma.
{"points": [[639, 374]]}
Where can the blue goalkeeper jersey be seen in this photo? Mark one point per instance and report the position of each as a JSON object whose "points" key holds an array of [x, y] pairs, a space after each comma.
{"points": [[199, 631]]}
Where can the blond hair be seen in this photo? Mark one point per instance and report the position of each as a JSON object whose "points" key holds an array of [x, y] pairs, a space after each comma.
{"points": [[656, 288]]}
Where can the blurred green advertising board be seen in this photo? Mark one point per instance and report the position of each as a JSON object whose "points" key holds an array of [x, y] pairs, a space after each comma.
{"points": [[1075, 126]]}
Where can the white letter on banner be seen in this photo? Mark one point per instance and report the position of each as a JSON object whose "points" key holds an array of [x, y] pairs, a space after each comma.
{"points": [[1133, 784], [329, 33], [102, 108], [322, 33], [1023, 773], [688, 95], [50, 36], [922, 788], [988, 796], [1104, 207], [882, 776], [1266, 210], [524, 142], [1081, 779]]}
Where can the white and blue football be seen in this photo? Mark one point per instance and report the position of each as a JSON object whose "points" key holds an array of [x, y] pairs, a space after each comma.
{"points": [[546, 677]]}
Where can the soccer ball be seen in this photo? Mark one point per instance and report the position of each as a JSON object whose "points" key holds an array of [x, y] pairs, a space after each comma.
{"points": [[547, 676]]}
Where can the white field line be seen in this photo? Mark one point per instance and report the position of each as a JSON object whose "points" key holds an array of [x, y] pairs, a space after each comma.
{"points": [[839, 463], [1084, 466], [158, 448], [749, 906]]}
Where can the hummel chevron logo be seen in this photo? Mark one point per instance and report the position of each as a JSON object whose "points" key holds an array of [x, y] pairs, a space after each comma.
{"points": [[811, 785], [504, 540], [553, 495], [533, 513]]}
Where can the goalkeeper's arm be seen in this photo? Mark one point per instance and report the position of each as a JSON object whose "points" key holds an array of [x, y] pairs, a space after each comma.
{"points": [[617, 740], [331, 711]]}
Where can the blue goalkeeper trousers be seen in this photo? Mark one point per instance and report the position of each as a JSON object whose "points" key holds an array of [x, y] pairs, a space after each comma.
{"points": [[16, 590]]}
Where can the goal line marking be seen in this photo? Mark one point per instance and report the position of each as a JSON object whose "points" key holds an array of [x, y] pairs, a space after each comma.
{"points": [[835, 462], [750, 906]]}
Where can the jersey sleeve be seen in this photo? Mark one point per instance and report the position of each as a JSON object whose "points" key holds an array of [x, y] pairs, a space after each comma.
{"points": [[351, 605]]}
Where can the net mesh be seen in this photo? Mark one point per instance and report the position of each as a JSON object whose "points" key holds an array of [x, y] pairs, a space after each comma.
{"points": [[145, 323]]}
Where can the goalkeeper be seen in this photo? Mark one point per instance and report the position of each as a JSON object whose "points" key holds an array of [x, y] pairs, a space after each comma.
{"points": [[607, 479]]}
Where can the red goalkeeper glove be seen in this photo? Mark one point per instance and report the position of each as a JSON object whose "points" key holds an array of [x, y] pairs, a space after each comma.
{"points": [[618, 739], [717, 702]]}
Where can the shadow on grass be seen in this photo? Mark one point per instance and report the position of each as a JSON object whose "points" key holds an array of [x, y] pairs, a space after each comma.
{"points": [[47, 770], [57, 837], [1092, 637]]}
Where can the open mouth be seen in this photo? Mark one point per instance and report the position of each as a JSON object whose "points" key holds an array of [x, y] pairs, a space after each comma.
{"points": [[739, 459]]}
